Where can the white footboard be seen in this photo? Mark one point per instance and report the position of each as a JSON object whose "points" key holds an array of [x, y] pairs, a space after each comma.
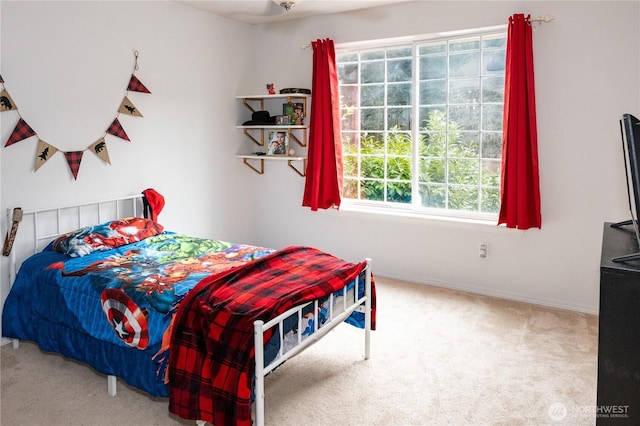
{"points": [[340, 307]]}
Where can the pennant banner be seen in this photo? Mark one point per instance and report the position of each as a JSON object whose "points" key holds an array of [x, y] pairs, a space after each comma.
{"points": [[136, 85], [74, 158], [127, 107], [6, 103], [21, 132], [116, 129], [99, 147], [45, 151]]}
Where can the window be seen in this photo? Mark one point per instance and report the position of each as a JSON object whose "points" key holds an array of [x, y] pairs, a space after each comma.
{"points": [[422, 124]]}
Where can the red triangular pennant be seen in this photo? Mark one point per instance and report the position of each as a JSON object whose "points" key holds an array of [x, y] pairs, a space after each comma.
{"points": [[74, 158], [22, 131], [116, 130], [136, 85]]}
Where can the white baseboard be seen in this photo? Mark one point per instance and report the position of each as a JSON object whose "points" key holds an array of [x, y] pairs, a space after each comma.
{"points": [[587, 309]]}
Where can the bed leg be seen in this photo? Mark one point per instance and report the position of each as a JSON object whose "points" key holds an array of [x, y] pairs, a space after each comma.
{"points": [[367, 311], [15, 343], [111, 385], [259, 359]]}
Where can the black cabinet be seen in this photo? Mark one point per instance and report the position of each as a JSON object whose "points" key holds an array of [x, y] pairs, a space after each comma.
{"points": [[619, 333]]}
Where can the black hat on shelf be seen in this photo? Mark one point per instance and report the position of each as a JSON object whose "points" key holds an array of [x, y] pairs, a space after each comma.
{"points": [[260, 118]]}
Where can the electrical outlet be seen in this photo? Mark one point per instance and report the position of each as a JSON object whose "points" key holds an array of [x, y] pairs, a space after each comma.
{"points": [[484, 250]]}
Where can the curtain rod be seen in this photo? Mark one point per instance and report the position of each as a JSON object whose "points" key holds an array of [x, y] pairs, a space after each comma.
{"points": [[540, 19], [543, 19]]}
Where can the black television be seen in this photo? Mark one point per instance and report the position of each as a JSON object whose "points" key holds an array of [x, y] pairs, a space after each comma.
{"points": [[630, 132]]}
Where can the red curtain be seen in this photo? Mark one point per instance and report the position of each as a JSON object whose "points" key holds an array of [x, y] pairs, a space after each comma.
{"points": [[520, 188], [323, 184]]}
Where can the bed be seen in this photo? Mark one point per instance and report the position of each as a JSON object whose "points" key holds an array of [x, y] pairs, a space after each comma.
{"points": [[199, 321]]}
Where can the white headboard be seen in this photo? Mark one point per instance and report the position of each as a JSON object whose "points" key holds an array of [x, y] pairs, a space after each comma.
{"points": [[39, 227]]}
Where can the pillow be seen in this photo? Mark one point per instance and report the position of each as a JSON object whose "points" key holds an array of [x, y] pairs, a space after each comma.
{"points": [[106, 236]]}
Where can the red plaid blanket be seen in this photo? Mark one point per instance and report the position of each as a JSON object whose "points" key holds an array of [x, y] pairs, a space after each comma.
{"points": [[211, 365]]}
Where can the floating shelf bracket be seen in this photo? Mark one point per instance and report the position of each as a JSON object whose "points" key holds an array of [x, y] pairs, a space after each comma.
{"points": [[251, 159], [259, 171], [304, 167]]}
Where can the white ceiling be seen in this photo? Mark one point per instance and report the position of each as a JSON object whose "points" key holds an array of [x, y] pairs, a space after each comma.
{"points": [[262, 11]]}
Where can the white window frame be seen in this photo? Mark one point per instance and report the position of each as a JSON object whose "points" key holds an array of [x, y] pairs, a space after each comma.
{"points": [[408, 210]]}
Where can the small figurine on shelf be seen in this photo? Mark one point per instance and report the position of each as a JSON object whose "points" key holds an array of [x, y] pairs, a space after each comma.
{"points": [[271, 88], [298, 116]]}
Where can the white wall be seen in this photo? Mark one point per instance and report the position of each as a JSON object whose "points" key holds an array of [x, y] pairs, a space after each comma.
{"points": [[587, 65], [67, 65]]}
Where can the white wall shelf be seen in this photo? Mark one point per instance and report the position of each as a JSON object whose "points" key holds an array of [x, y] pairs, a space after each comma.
{"points": [[256, 134], [256, 102]]}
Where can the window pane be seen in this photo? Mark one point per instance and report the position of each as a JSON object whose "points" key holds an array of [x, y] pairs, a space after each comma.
{"points": [[492, 117], [494, 61], [348, 73], [464, 172], [491, 173], [492, 145], [400, 52], [463, 198], [349, 121], [372, 119], [371, 55], [495, 41], [433, 118], [349, 143], [464, 117], [433, 196], [433, 67], [464, 145], [432, 170], [350, 189], [490, 200], [465, 91], [399, 118], [372, 143], [350, 165], [349, 95], [399, 70], [464, 65], [372, 190], [372, 72], [372, 167], [399, 94], [432, 48], [372, 95], [399, 168], [433, 144], [461, 45], [399, 143], [399, 192], [433, 92], [493, 89], [346, 57]]}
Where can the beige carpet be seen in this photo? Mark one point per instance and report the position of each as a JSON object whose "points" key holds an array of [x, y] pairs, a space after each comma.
{"points": [[439, 357]]}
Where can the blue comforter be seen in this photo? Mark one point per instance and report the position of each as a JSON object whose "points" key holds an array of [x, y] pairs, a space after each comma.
{"points": [[112, 309]]}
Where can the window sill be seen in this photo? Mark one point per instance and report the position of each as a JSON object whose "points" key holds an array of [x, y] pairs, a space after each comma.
{"points": [[483, 225]]}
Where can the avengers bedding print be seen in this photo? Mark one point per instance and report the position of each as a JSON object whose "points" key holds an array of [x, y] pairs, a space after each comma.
{"points": [[110, 305]]}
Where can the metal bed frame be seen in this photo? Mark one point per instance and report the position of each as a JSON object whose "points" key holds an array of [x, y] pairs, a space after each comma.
{"points": [[59, 220]]}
